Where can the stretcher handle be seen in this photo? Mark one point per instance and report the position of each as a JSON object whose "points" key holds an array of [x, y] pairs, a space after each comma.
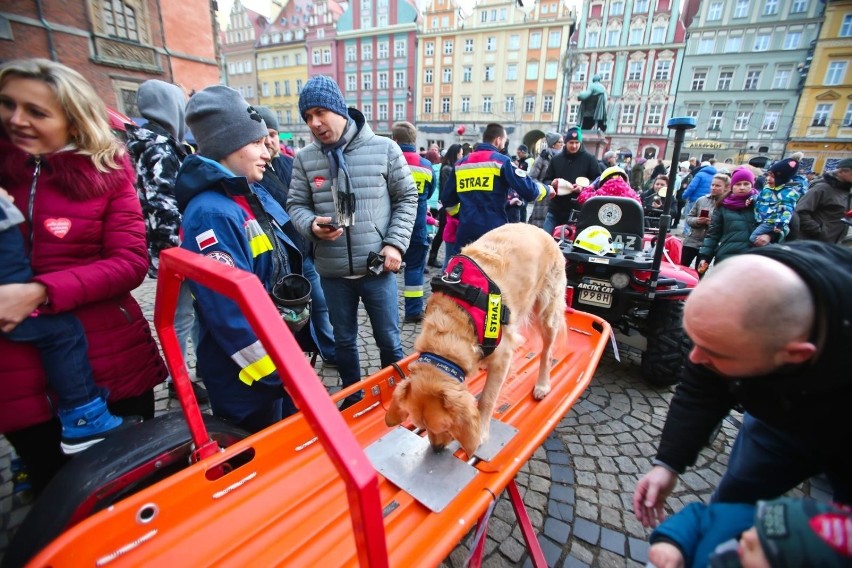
{"points": [[308, 392]]}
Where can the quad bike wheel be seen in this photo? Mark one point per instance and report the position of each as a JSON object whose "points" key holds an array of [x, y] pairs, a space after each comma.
{"points": [[667, 344], [118, 467]]}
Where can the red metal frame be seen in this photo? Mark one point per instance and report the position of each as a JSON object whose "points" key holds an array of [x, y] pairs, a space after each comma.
{"points": [[310, 396]]}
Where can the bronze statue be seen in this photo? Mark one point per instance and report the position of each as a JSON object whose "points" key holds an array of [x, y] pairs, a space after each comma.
{"points": [[592, 111]]}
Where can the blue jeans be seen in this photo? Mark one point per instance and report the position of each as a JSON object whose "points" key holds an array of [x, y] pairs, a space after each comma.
{"points": [[63, 349], [415, 262], [322, 334], [766, 462], [765, 229], [379, 294]]}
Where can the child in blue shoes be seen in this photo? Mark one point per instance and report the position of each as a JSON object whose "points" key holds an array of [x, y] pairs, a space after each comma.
{"points": [[62, 345]]}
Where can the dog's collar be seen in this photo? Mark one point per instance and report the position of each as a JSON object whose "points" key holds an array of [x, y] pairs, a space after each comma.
{"points": [[442, 364]]}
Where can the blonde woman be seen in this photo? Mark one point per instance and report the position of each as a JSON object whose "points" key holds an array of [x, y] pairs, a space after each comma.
{"points": [[85, 237]]}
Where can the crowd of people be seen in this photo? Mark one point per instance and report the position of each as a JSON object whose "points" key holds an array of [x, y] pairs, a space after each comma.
{"points": [[84, 218]]}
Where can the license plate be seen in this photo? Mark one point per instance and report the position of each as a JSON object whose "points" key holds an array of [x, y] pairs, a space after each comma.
{"points": [[593, 298]]}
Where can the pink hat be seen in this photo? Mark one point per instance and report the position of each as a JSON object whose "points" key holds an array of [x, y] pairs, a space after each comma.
{"points": [[742, 174]]}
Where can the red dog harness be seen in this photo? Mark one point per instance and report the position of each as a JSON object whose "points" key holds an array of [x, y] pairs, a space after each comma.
{"points": [[466, 283]]}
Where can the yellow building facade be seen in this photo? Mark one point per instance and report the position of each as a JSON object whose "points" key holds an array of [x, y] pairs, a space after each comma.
{"points": [[282, 71]]}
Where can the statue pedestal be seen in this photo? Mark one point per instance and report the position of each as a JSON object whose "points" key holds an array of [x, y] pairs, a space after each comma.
{"points": [[595, 142]]}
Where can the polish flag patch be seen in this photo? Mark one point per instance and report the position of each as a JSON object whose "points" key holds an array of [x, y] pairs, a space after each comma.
{"points": [[206, 239], [318, 181], [58, 227]]}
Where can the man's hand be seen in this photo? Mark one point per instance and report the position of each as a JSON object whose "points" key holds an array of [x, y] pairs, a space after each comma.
{"points": [[651, 494], [665, 555], [762, 240], [393, 258], [325, 233]]}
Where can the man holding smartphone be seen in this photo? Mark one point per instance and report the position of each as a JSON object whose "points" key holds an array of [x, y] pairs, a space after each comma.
{"points": [[359, 187]]}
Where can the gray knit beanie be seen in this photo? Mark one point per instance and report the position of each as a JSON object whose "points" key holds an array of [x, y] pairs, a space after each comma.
{"points": [[222, 121], [552, 138], [268, 117], [322, 91]]}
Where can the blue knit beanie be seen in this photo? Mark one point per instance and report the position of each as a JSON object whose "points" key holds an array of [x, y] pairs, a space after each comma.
{"points": [[322, 91]]}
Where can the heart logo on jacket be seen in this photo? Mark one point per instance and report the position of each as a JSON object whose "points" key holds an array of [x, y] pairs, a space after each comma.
{"points": [[318, 181], [58, 227]]}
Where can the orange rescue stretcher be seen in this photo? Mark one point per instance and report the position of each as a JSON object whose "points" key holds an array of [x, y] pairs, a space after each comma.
{"points": [[303, 491]]}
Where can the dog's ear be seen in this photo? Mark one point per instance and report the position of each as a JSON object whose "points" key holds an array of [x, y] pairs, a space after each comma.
{"points": [[396, 413], [462, 407]]}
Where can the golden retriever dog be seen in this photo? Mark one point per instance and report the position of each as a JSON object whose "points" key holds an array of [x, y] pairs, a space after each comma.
{"points": [[528, 267]]}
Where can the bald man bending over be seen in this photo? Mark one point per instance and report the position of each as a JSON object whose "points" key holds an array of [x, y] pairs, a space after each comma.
{"points": [[772, 332]]}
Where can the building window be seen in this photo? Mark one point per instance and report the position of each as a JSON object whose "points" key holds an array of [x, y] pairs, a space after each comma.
{"points": [[547, 104], [367, 111], [799, 6], [770, 120], [316, 56], [658, 34], [276, 62], [486, 105], [350, 53], [512, 72], [835, 73], [264, 89], [605, 70], [616, 9], [231, 69], [741, 9], [120, 20], [770, 8], [592, 39], [448, 47], [532, 70], [367, 81], [635, 36], [655, 115], [299, 86], [489, 73], [634, 71], [742, 120], [509, 105], [725, 79], [551, 69], [383, 80], [445, 105], [399, 81], [286, 87], [761, 42], [734, 44], [822, 114], [467, 74], [468, 45], [383, 50], [662, 71], [714, 12], [429, 48], [535, 40], [699, 77], [705, 45], [554, 38], [628, 114], [249, 92], [366, 52], [351, 82], [491, 43], [752, 80], [529, 104], [276, 88], [715, 120], [399, 48], [447, 75], [580, 72], [792, 40], [288, 116], [427, 105], [781, 80], [326, 56], [847, 117], [692, 112], [399, 111], [427, 76], [846, 26], [383, 111], [514, 42], [465, 104], [611, 39], [641, 6]]}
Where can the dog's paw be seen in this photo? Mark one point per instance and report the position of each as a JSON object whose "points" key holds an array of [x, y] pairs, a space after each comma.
{"points": [[540, 392]]}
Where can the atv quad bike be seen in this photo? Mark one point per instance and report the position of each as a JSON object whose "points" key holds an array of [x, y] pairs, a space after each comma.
{"points": [[640, 287]]}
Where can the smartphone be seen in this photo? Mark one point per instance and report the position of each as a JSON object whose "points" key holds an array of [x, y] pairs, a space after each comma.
{"points": [[331, 226], [704, 213]]}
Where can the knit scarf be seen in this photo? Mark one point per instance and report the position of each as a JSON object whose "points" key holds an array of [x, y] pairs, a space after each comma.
{"points": [[738, 200], [341, 183]]}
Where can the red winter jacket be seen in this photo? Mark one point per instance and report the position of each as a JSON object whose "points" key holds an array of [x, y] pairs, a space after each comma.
{"points": [[88, 248]]}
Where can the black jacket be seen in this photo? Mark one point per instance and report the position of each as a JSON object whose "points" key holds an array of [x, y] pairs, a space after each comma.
{"points": [[570, 167], [812, 401]]}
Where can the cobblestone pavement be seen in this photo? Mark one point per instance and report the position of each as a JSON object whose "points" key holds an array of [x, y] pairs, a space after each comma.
{"points": [[578, 486]]}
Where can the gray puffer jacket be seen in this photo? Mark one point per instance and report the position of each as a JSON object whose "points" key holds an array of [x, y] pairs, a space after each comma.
{"points": [[385, 199]]}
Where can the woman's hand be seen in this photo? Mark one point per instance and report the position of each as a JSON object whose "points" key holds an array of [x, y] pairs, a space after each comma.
{"points": [[18, 301]]}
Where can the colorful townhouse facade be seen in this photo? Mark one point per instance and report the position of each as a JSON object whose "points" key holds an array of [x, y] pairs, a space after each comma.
{"points": [[241, 32]]}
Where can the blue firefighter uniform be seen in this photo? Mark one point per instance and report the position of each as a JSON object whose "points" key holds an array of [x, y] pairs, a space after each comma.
{"points": [[241, 225], [480, 183], [415, 256]]}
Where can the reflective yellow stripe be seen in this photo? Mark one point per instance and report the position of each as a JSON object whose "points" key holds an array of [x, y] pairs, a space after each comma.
{"points": [[412, 292], [479, 178], [454, 210], [260, 245], [492, 318], [254, 363], [421, 178], [542, 191]]}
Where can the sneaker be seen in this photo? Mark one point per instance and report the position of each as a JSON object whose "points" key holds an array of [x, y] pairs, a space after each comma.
{"points": [[434, 263], [20, 476], [416, 318], [329, 363], [85, 426], [197, 389]]}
